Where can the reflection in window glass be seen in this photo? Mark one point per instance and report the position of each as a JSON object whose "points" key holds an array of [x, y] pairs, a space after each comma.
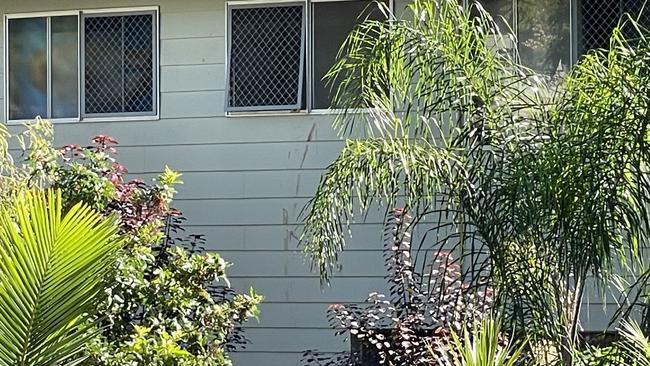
{"points": [[501, 11], [544, 35], [333, 21], [64, 67], [27, 68]]}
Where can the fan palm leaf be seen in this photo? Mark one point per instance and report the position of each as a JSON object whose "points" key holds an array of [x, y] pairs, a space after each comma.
{"points": [[51, 270]]}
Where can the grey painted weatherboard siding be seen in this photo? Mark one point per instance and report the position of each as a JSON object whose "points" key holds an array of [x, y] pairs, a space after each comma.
{"points": [[247, 179]]}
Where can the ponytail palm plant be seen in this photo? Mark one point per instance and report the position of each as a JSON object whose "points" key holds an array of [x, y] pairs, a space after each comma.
{"points": [[539, 185], [52, 265]]}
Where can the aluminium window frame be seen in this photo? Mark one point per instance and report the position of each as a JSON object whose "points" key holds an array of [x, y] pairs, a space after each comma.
{"points": [[48, 16], [308, 59], [267, 110], [79, 13], [154, 60]]}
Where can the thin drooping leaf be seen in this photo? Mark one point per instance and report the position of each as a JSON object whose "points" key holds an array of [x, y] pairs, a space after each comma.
{"points": [[542, 184]]}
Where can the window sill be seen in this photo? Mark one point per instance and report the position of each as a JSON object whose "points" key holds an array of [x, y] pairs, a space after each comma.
{"points": [[266, 114], [313, 112], [340, 111], [88, 120]]}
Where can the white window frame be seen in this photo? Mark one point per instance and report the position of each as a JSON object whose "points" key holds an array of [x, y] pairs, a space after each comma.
{"points": [[309, 57], [79, 13]]}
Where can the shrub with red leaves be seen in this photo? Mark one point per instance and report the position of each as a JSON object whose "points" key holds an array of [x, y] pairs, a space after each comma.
{"points": [[168, 302], [413, 323]]}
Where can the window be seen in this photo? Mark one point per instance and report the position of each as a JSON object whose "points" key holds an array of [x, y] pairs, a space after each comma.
{"points": [[544, 34], [82, 65], [332, 22], [543, 29], [598, 18], [279, 53], [267, 57]]}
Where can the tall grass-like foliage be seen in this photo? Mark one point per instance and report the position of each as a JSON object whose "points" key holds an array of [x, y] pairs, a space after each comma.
{"points": [[483, 346], [539, 185]]}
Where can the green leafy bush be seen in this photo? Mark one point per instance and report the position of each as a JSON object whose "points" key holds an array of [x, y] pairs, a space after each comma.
{"points": [[632, 349], [167, 301]]}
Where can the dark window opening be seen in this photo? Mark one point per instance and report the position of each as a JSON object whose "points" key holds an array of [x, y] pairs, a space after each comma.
{"points": [[266, 58], [119, 64], [333, 21]]}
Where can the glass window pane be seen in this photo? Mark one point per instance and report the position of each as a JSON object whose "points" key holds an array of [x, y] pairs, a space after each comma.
{"points": [[333, 21], [266, 58], [65, 66], [501, 11], [103, 64], [118, 61], [27, 68], [138, 63], [544, 35], [598, 18]]}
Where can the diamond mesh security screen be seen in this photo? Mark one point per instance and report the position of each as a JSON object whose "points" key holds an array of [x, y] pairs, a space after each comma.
{"points": [[597, 19], [266, 58], [119, 64]]}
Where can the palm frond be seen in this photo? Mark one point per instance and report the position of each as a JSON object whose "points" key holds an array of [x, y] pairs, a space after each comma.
{"points": [[635, 344], [483, 346], [51, 270]]}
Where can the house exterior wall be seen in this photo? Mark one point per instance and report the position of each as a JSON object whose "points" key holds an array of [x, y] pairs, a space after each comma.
{"points": [[246, 179]]}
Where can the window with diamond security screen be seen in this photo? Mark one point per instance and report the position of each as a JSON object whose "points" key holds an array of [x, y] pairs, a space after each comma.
{"points": [[266, 57], [597, 19], [118, 59]]}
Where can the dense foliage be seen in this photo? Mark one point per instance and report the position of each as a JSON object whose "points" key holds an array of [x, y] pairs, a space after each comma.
{"points": [[540, 186], [412, 325], [52, 264], [166, 302]]}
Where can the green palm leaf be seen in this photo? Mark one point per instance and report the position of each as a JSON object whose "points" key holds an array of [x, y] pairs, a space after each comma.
{"points": [[482, 347], [51, 270]]}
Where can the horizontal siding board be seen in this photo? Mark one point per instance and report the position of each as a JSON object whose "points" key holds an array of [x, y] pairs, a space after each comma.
{"points": [[267, 211], [239, 157], [295, 340], [295, 263], [292, 315], [309, 290], [192, 104], [198, 131], [192, 51], [277, 237], [187, 78], [261, 184], [253, 211], [193, 24]]}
